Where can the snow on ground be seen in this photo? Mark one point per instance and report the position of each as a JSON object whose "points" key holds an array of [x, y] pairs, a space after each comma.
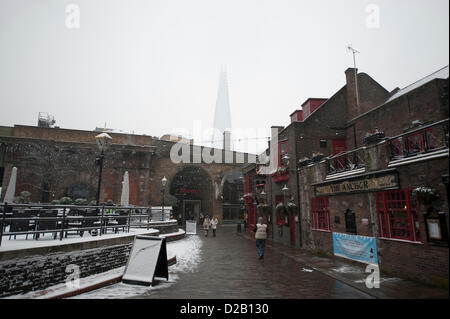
{"points": [[347, 269], [188, 253], [47, 240]]}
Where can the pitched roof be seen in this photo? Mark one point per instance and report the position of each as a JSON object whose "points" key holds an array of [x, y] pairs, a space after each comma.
{"points": [[440, 74]]}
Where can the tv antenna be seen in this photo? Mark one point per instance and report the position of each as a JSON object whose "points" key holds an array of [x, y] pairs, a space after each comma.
{"points": [[351, 49]]}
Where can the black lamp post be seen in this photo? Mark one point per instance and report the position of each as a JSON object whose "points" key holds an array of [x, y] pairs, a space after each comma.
{"points": [[103, 141], [163, 182], [285, 189]]}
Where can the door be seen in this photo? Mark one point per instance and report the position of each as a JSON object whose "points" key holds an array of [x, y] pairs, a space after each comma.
{"points": [[292, 229], [339, 147], [192, 210]]}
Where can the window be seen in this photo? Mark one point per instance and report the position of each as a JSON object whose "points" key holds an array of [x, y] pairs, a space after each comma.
{"points": [[320, 213], [282, 150], [397, 217], [350, 222]]}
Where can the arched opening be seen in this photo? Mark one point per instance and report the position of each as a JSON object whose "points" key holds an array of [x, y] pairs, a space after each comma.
{"points": [[193, 187], [232, 191]]}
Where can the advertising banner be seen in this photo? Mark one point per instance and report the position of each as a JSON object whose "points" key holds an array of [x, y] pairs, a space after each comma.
{"points": [[359, 248]]}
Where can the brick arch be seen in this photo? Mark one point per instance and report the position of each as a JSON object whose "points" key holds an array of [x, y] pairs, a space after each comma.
{"points": [[196, 184]]}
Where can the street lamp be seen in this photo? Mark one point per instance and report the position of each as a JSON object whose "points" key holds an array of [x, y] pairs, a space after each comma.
{"points": [[163, 182], [285, 159], [285, 189], [103, 141]]}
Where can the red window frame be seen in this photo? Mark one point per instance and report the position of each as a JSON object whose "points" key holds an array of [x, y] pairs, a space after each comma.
{"points": [[282, 149], [320, 213], [397, 215]]}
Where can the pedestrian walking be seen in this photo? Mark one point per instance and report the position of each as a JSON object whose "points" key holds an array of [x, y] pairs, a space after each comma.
{"points": [[206, 223], [260, 236], [213, 224]]}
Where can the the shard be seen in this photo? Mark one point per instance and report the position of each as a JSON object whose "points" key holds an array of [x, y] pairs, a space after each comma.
{"points": [[222, 116]]}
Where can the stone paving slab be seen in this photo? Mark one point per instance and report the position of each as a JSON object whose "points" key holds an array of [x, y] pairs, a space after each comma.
{"points": [[230, 269]]}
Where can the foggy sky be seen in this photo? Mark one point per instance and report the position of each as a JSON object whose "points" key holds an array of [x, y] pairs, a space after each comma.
{"points": [[153, 66]]}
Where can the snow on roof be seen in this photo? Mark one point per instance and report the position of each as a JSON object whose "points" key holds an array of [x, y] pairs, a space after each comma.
{"points": [[440, 74]]}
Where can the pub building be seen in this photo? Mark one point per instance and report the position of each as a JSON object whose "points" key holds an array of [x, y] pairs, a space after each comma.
{"points": [[317, 129], [392, 186], [371, 165]]}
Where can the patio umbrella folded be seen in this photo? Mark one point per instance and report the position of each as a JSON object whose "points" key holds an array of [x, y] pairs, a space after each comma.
{"points": [[11, 190], [125, 197]]}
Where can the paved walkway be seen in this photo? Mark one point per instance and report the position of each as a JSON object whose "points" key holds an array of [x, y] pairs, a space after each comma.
{"points": [[230, 268], [353, 274]]}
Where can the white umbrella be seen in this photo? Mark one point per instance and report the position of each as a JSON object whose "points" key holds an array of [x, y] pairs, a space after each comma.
{"points": [[124, 199], [11, 190]]}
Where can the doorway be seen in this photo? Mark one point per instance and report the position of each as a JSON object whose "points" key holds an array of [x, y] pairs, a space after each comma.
{"points": [[192, 210]]}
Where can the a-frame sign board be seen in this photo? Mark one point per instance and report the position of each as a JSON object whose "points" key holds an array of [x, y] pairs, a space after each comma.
{"points": [[147, 260]]}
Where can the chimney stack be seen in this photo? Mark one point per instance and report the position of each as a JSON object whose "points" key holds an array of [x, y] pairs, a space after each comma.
{"points": [[227, 141], [352, 97]]}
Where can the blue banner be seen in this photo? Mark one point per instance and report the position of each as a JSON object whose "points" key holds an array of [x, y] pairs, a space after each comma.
{"points": [[359, 248]]}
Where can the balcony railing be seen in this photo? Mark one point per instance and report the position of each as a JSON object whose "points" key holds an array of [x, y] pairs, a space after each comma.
{"points": [[347, 161], [425, 139], [35, 220]]}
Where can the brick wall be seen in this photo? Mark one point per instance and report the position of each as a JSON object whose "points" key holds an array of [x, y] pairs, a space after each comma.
{"points": [[424, 104], [39, 272], [422, 261], [68, 135]]}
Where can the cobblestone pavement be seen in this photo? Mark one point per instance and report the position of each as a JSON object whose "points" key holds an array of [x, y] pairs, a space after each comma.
{"points": [[230, 269]]}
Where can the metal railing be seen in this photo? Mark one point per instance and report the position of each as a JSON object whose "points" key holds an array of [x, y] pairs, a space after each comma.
{"points": [[346, 161], [61, 220], [424, 139]]}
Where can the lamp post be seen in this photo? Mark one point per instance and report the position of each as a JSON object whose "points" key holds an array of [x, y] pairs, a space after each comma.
{"points": [[285, 159], [163, 182], [103, 141], [285, 189]]}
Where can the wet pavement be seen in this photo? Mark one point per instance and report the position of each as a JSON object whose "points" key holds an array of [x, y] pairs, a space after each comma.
{"points": [[229, 268]]}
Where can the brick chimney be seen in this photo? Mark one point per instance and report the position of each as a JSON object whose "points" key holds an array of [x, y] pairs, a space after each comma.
{"points": [[353, 109], [227, 141]]}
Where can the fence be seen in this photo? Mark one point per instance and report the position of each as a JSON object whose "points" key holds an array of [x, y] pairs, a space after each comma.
{"points": [[346, 161], [424, 139], [61, 220]]}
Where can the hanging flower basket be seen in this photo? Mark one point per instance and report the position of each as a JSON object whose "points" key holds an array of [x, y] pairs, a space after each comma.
{"points": [[291, 207], [425, 194], [316, 157], [264, 208], [279, 207], [373, 137], [248, 198], [304, 162]]}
